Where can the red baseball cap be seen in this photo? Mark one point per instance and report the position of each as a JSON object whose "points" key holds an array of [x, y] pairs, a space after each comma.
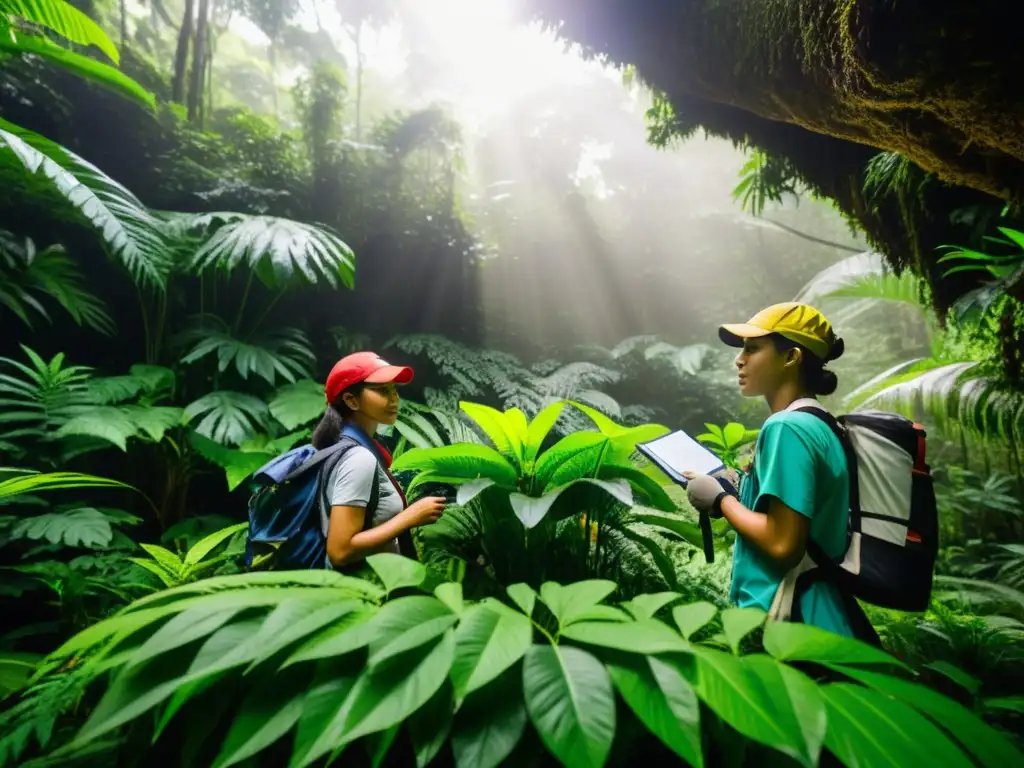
{"points": [[363, 366]]}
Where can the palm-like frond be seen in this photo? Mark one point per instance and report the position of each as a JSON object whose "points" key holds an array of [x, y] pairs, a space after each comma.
{"points": [[281, 352], [30, 481], [64, 19], [42, 397], [130, 232], [95, 72], [26, 273], [278, 250], [300, 403], [687, 361], [229, 418], [947, 395], [863, 276], [119, 423]]}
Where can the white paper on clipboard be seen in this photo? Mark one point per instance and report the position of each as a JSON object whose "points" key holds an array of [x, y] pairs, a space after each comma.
{"points": [[677, 452]]}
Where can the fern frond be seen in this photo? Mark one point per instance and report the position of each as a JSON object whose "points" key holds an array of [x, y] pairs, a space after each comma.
{"points": [[130, 232]]}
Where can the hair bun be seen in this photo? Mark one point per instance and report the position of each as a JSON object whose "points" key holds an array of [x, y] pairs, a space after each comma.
{"points": [[838, 347]]}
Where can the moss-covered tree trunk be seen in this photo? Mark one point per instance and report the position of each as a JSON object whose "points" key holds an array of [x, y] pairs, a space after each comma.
{"points": [[936, 82]]}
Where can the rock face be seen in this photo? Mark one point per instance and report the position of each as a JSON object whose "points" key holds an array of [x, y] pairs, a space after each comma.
{"points": [[935, 82]]}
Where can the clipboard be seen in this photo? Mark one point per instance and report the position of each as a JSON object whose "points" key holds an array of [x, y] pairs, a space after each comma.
{"points": [[677, 452]]}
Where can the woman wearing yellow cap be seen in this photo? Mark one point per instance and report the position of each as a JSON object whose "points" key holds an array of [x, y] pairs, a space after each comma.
{"points": [[796, 494]]}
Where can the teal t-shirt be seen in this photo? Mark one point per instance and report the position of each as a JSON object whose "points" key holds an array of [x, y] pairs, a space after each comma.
{"points": [[800, 462]]}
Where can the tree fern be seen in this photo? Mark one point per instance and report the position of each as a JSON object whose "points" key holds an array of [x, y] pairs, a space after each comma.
{"points": [[283, 353], [38, 397], [27, 276], [227, 417], [43, 169], [279, 251]]}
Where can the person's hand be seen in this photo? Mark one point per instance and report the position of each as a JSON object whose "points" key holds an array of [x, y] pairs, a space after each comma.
{"points": [[426, 511], [705, 492]]}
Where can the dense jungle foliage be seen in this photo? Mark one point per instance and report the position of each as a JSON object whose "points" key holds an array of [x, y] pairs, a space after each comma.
{"points": [[205, 203]]}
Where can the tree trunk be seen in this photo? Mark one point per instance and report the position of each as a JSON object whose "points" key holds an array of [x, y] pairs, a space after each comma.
{"points": [[359, 82], [124, 22], [181, 55], [272, 58], [195, 90]]}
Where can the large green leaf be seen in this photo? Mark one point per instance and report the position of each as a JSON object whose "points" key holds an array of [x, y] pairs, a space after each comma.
{"points": [[267, 714], [573, 457], [652, 493], [227, 417], [622, 439], [237, 465], [736, 695], [983, 741], [532, 510], [664, 701], [278, 250], [870, 729], [64, 19], [282, 353], [397, 571], [574, 600], [119, 423], [648, 636], [737, 623], [798, 704], [85, 527], [52, 481], [645, 606], [386, 695], [570, 701], [464, 460], [130, 232], [490, 722], [490, 639], [787, 641], [95, 72], [407, 623], [496, 426], [675, 524], [430, 725], [539, 428]]}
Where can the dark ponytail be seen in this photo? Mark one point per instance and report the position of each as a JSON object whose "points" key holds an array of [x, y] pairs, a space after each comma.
{"points": [[817, 378], [328, 431]]}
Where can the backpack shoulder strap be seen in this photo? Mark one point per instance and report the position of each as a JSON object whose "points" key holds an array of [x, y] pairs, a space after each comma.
{"points": [[338, 451], [851, 463]]}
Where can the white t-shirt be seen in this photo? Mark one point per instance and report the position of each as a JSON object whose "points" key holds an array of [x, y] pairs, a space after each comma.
{"points": [[349, 485]]}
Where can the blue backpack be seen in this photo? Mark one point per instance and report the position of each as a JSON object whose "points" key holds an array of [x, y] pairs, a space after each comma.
{"points": [[285, 530]]}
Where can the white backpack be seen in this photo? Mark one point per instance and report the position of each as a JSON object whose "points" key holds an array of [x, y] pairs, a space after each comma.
{"points": [[893, 530]]}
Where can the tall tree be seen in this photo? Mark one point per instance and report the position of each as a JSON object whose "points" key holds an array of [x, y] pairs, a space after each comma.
{"points": [[199, 54], [181, 56], [356, 15]]}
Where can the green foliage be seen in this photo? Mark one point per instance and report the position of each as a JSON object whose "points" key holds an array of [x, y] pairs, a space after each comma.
{"points": [[173, 570], [765, 179], [277, 251], [1007, 269], [227, 417], [727, 441], [46, 172], [74, 26], [28, 275], [280, 353], [337, 661]]}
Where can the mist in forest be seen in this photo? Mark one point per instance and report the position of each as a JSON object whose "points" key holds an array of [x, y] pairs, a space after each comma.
{"points": [[588, 234]]}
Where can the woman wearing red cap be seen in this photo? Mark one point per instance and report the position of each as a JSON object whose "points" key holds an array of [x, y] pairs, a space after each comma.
{"points": [[362, 393]]}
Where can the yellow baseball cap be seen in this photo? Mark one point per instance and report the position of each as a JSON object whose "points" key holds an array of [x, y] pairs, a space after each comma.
{"points": [[800, 323]]}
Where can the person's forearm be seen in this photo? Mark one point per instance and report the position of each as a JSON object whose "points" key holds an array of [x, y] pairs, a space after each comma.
{"points": [[755, 528], [371, 540]]}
